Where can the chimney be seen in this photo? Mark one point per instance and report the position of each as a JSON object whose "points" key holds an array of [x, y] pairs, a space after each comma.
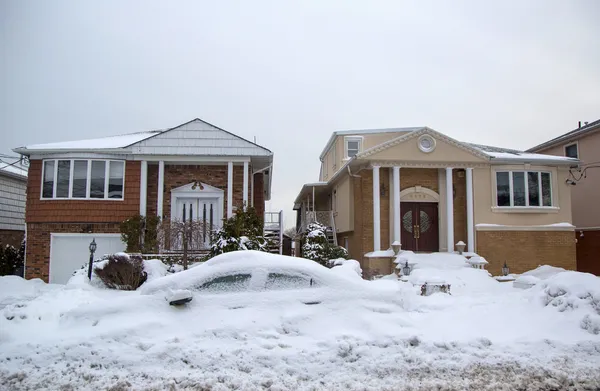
{"points": [[579, 124]]}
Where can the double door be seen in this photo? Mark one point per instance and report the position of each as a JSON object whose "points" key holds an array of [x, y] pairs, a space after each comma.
{"points": [[204, 217], [419, 222]]}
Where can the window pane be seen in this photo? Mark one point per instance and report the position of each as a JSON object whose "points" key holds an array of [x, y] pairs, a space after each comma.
{"points": [[80, 178], [534, 188], [63, 178], [115, 180], [48, 179], [571, 151], [519, 188], [502, 189], [97, 180], [224, 284], [353, 147], [280, 281], [546, 192]]}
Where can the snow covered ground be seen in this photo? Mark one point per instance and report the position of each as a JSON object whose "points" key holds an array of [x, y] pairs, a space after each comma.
{"points": [[486, 335]]}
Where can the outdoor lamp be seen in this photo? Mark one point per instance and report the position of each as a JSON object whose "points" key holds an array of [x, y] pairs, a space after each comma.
{"points": [[505, 270], [92, 251], [406, 269]]}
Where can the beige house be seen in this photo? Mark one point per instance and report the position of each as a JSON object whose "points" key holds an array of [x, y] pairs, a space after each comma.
{"points": [[427, 192], [582, 143]]}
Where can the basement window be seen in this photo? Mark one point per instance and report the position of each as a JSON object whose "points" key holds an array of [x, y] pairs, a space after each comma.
{"points": [[83, 179]]}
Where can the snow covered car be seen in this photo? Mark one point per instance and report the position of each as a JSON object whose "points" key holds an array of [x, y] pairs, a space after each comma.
{"points": [[243, 277]]}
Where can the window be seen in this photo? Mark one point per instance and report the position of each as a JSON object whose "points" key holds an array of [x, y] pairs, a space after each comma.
{"points": [[281, 281], [225, 284], [523, 189], [572, 151], [83, 179], [353, 145]]}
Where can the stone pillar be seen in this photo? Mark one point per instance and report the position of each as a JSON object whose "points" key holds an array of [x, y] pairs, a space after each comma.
{"points": [[161, 189], [396, 184]]}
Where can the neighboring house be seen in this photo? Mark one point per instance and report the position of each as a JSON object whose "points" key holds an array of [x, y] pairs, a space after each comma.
{"points": [[13, 183], [427, 191], [582, 143], [82, 190]]}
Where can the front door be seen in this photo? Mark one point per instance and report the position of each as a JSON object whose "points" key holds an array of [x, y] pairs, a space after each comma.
{"points": [[419, 226], [204, 214]]}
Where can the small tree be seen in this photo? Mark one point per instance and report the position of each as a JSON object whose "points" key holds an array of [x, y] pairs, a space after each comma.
{"points": [[317, 247], [140, 234], [242, 231], [11, 259]]}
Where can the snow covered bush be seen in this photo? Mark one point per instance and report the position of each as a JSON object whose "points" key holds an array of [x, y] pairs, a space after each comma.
{"points": [[122, 271], [11, 259], [317, 247], [242, 231]]}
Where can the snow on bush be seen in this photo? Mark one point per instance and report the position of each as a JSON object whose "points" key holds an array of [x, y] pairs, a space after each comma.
{"points": [[317, 248], [349, 267], [569, 291], [122, 271], [242, 231]]}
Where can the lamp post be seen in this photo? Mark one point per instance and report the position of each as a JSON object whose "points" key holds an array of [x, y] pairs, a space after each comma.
{"points": [[505, 270], [92, 251], [406, 269]]}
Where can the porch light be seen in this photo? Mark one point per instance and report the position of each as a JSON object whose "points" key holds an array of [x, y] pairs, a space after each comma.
{"points": [[406, 269], [505, 270], [92, 251], [460, 246]]}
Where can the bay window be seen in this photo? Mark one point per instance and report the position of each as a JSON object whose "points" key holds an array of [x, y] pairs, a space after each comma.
{"points": [[83, 179], [523, 189]]}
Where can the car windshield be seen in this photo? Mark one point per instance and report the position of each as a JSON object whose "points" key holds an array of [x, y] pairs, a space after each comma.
{"points": [[280, 281], [228, 283]]}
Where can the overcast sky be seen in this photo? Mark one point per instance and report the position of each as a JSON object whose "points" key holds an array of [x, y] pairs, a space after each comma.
{"points": [[512, 74]]}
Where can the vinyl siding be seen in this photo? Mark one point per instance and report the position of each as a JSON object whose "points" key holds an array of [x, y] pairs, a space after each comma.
{"points": [[12, 203]]}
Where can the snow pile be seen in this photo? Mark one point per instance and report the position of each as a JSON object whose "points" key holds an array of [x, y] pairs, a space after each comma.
{"points": [[543, 272], [155, 268], [574, 291], [350, 267], [14, 289], [525, 281]]}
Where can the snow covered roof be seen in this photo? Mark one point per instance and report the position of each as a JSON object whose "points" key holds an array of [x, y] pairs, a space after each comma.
{"points": [[579, 132], [505, 154], [14, 170], [109, 142]]}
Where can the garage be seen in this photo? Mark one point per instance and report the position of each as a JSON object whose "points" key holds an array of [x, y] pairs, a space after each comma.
{"points": [[68, 252]]}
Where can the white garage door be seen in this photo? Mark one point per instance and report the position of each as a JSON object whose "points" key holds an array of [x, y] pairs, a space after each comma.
{"points": [[68, 252]]}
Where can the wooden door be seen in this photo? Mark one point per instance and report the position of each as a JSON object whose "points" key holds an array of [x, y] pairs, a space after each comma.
{"points": [[419, 222]]}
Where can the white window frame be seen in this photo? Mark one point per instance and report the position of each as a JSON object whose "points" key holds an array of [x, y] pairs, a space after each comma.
{"points": [[88, 180], [352, 138], [512, 206], [576, 144]]}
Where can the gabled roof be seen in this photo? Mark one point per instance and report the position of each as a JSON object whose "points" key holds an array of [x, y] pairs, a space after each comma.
{"points": [[572, 135], [14, 170], [359, 132]]}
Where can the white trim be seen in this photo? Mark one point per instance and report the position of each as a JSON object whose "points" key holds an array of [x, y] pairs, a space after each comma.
{"points": [[491, 227], [194, 160], [160, 189], [376, 211], [587, 228], [449, 210], [352, 138], [54, 180], [396, 203], [245, 187], [470, 224], [419, 189], [106, 235], [71, 165], [525, 172], [143, 187], [208, 192], [576, 143], [252, 189], [525, 209], [229, 189]]}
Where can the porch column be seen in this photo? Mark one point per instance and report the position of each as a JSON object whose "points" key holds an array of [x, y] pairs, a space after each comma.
{"points": [[143, 187], [396, 182], [376, 212], [313, 201], [161, 189], [229, 189], [245, 191], [470, 225], [449, 210]]}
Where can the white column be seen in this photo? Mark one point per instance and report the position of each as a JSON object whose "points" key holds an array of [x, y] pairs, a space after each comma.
{"points": [[376, 212], [161, 189], [143, 187], [449, 210], [396, 182], [229, 189], [245, 190], [313, 201], [252, 190], [470, 225]]}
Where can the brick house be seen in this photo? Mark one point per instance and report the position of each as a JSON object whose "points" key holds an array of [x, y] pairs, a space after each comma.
{"points": [[582, 143], [82, 190], [13, 182], [426, 191]]}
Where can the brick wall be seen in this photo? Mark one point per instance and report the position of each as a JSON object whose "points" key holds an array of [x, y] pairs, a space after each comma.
{"points": [[82, 211], [37, 259], [588, 251], [259, 194], [12, 237], [526, 250]]}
